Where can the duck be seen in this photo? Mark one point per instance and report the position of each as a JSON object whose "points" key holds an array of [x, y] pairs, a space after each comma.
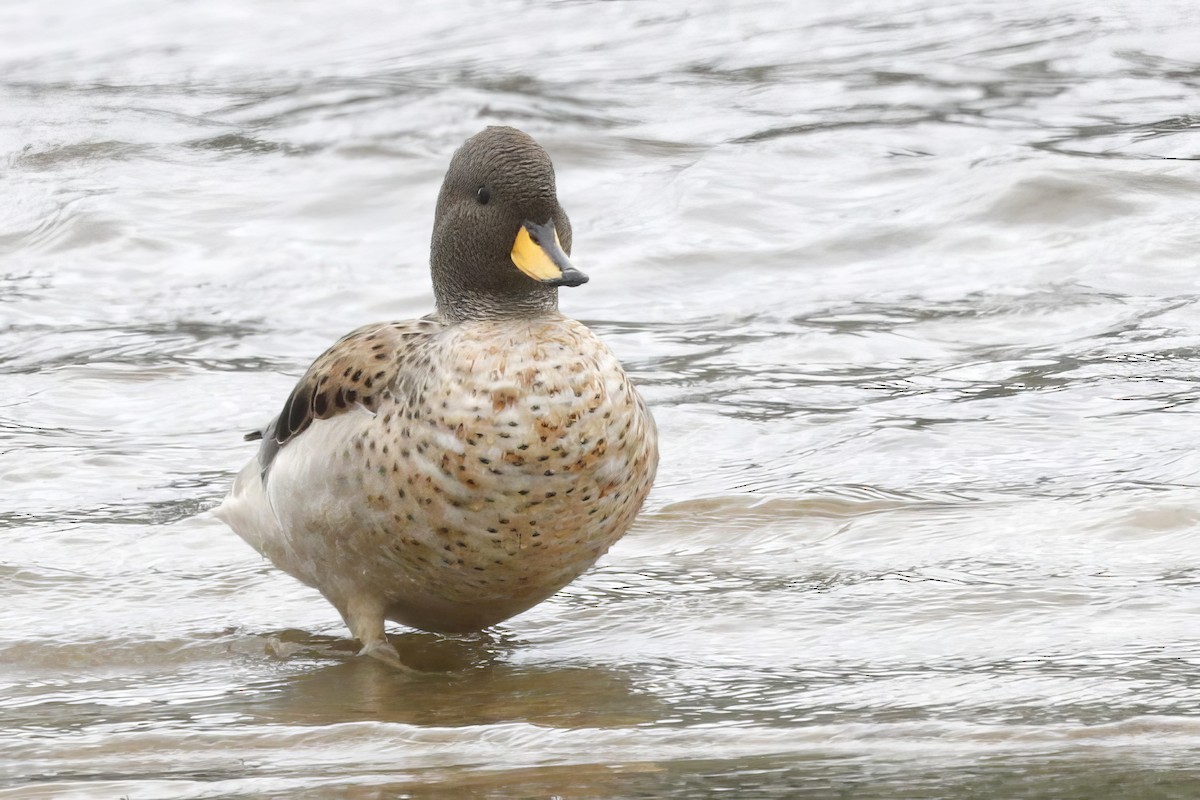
{"points": [[450, 472]]}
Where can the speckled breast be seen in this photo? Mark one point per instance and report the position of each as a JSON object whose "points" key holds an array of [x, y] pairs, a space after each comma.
{"points": [[498, 473]]}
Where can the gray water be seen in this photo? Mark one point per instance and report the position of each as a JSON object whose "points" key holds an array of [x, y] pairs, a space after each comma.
{"points": [[911, 288]]}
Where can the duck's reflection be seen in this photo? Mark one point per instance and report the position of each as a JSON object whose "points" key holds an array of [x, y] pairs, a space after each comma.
{"points": [[463, 680]]}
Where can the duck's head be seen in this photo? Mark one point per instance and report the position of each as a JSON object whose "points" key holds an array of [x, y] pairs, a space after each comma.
{"points": [[500, 239]]}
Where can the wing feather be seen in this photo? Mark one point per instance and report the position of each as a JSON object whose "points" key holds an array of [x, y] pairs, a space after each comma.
{"points": [[359, 369]]}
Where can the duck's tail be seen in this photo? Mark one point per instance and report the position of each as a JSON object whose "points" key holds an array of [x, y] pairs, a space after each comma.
{"points": [[247, 510]]}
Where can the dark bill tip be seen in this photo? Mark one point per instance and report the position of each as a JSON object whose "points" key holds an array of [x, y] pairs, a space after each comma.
{"points": [[570, 277]]}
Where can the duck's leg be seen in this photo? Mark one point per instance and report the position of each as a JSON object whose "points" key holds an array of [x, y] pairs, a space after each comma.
{"points": [[365, 620]]}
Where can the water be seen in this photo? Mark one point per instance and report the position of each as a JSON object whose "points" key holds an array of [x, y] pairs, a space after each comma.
{"points": [[911, 288]]}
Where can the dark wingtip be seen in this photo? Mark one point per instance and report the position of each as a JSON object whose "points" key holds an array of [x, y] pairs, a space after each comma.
{"points": [[252, 436]]}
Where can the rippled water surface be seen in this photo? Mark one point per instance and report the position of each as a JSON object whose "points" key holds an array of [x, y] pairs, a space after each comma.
{"points": [[911, 288]]}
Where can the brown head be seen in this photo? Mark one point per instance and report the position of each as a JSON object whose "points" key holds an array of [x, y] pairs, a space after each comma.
{"points": [[500, 239]]}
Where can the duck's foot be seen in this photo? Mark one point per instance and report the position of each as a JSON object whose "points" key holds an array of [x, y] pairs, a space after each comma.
{"points": [[382, 650], [365, 620], [281, 649]]}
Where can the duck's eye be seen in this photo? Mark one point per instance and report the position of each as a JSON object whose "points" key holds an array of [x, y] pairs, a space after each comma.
{"points": [[483, 195]]}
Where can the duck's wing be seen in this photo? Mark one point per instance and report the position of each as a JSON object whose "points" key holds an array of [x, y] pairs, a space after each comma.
{"points": [[353, 373]]}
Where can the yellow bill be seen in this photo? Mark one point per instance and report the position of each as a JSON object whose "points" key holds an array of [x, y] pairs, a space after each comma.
{"points": [[538, 253]]}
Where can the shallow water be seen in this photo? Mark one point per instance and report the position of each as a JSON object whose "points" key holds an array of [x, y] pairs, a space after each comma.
{"points": [[912, 291]]}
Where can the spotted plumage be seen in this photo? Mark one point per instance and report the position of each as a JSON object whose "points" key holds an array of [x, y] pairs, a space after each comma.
{"points": [[452, 471]]}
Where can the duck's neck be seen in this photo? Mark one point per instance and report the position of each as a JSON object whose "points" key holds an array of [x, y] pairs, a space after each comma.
{"points": [[463, 304]]}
